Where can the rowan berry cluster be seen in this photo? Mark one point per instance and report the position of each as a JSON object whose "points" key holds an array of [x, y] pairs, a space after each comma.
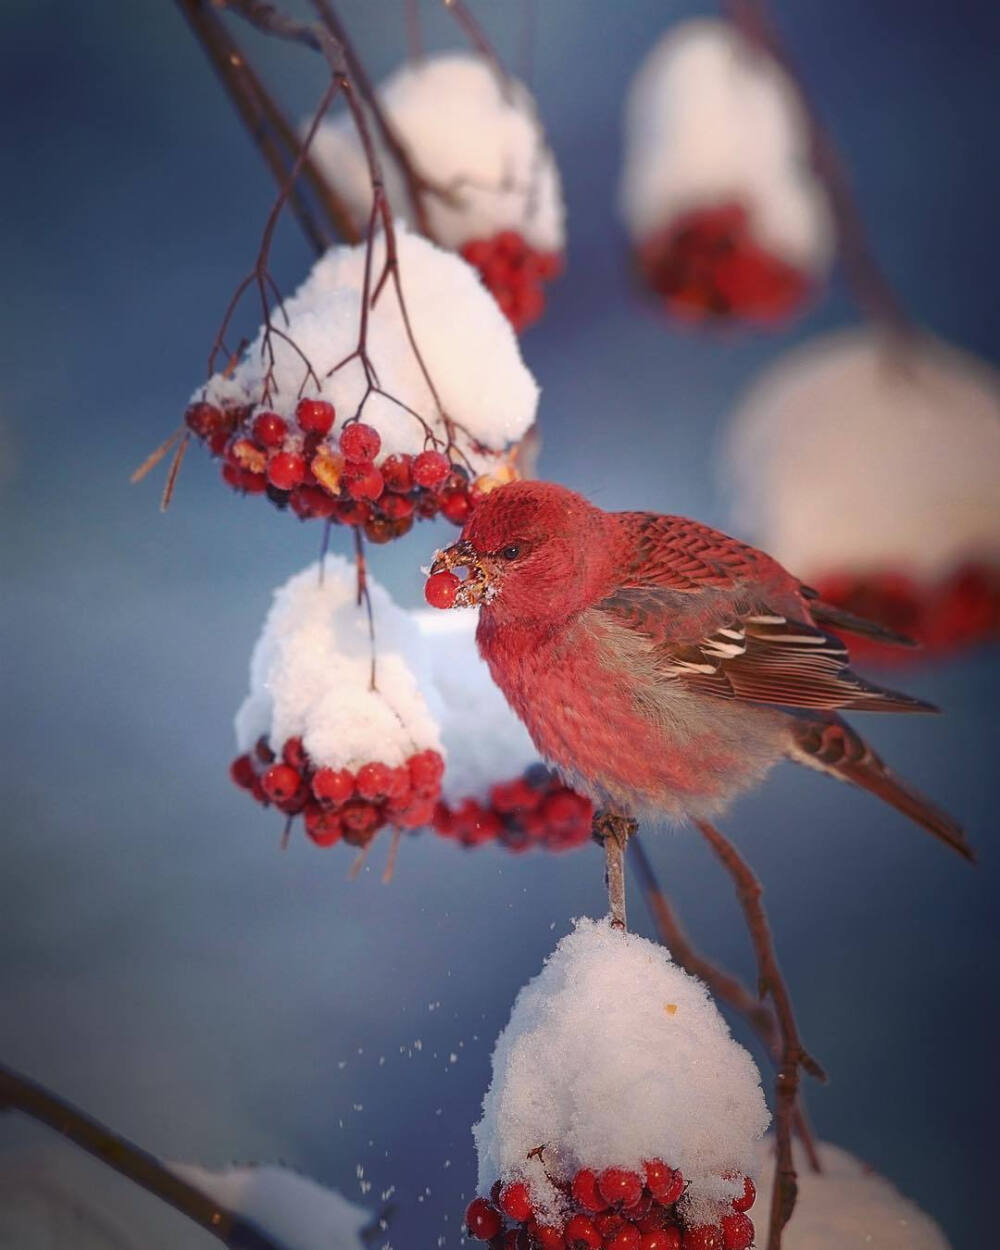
{"points": [[298, 466], [615, 1209], [962, 608], [535, 810], [707, 264], [338, 804], [513, 272]]}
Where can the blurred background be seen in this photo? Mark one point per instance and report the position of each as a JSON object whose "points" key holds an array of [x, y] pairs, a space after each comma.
{"points": [[161, 963]]}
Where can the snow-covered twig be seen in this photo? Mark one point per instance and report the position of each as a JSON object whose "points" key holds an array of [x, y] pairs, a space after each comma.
{"points": [[793, 1053], [19, 1093]]}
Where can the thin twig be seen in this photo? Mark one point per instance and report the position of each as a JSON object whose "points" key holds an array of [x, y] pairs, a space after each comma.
{"points": [[477, 37], [793, 1054], [22, 1094], [724, 986], [614, 831]]}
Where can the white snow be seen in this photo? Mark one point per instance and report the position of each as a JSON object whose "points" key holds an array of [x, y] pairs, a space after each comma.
{"points": [[466, 132], [310, 670], [850, 454], [710, 120], [846, 1207], [466, 343], [295, 1210], [484, 741], [614, 1055]]}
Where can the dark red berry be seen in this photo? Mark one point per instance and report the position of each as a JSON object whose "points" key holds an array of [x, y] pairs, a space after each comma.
{"points": [[585, 1190], [353, 512], [269, 429], [360, 443], [426, 770], [312, 501], [482, 1219], [581, 1234], [638, 1209], [441, 588], [359, 816], [745, 1200], [331, 785], [262, 750], [456, 506], [627, 1238], [703, 1237], [737, 1231], [322, 826], [286, 470], [619, 1187], [548, 1237], [668, 1238], [396, 506], [204, 420], [374, 780], [398, 473], [430, 469], [515, 1201], [294, 753], [663, 1182], [609, 1224], [363, 481], [315, 416], [281, 782], [242, 772]]}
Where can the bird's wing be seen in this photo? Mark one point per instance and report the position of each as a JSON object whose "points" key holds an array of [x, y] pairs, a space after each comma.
{"points": [[726, 620]]}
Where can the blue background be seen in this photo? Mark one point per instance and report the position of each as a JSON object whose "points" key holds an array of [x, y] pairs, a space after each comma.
{"points": [[160, 962]]}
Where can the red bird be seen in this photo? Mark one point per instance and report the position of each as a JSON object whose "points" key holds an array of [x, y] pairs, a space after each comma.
{"points": [[659, 665]]}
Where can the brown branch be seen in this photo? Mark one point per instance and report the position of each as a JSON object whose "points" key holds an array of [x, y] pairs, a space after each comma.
{"points": [[793, 1054], [865, 276], [723, 985], [477, 37], [24, 1095], [614, 831]]}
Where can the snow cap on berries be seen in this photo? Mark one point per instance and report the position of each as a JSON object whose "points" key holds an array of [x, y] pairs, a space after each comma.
{"points": [[467, 345], [483, 740], [311, 669], [613, 1055], [712, 120], [470, 132], [854, 454]]}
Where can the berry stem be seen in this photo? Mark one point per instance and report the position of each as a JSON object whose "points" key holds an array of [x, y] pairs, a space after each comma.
{"points": [[793, 1053], [33, 1100]]}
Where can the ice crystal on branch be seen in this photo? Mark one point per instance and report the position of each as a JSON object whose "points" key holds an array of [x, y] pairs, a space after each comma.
{"points": [[725, 216], [443, 410], [869, 467], [613, 1059], [486, 180]]}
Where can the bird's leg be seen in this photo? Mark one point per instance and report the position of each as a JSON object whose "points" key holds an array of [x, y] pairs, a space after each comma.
{"points": [[793, 1054], [614, 830]]}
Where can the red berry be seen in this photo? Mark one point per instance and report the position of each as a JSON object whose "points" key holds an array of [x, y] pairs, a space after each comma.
{"points": [[515, 1201], [581, 1234], [609, 1224], [703, 1237], [286, 470], [262, 750], [294, 753], [477, 252], [315, 416], [547, 1237], [312, 501], [360, 443], [322, 826], [426, 770], [396, 506], [242, 773], [363, 481], [361, 820], [619, 1187], [737, 1231], [638, 1209], [440, 589], [353, 512], [204, 419], [398, 474], [585, 1190], [745, 1200], [417, 813], [482, 1219], [663, 1182], [281, 782], [430, 469], [661, 1239], [269, 429], [627, 1238], [332, 785], [456, 505], [374, 780]]}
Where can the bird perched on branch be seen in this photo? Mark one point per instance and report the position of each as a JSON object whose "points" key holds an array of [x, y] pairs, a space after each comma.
{"points": [[661, 666]]}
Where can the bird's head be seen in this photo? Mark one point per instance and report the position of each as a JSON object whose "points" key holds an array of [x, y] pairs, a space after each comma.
{"points": [[533, 551]]}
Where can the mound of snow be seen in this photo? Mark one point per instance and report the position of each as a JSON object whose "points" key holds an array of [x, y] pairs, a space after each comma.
{"points": [[474, 136], [710, 121], [855, 454], [847, 1207], [466, 344], [612, 1056], [310, 675]]}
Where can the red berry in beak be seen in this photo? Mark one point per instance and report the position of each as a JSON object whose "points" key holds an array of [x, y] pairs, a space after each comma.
{"points": [[441, 588]]}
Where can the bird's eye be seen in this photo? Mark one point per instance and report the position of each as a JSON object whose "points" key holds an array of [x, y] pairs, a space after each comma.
{"points": [[511, 552]]}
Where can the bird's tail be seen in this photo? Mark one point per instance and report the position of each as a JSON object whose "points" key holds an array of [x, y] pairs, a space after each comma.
{"points": [[833, 747]]}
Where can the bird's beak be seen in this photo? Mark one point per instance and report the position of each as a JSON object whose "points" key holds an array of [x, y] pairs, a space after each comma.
{"points": [[462, 555]]}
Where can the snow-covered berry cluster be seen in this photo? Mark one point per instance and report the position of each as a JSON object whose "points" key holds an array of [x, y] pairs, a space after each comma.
{"points": [[514, 273], [707, 263], [613, 1209], [336, 803], [534, 810], [726, 216]]}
